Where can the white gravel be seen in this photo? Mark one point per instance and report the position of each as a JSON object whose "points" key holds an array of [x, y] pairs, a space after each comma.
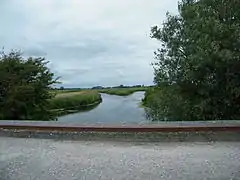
{"points": [[36, 159]]}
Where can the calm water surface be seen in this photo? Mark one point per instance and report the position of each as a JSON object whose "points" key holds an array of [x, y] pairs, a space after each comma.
{"points": [[113, 110]]}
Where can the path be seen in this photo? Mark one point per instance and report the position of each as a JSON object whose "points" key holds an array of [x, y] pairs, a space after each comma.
{"points": [[36, 159]]}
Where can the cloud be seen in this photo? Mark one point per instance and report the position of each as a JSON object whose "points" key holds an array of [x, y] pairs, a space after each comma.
{"points": [[88, 42]]}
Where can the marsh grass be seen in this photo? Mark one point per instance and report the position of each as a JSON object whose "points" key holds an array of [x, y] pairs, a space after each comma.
{"points": [[74, 101], [122, 91]]}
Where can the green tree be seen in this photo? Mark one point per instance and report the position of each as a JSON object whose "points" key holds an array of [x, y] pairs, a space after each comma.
{"points": [[197, 69], [25, 86]]}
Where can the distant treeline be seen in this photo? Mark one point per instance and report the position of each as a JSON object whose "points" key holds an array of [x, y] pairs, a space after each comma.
{"points": [[102, 87], [121, 86]]}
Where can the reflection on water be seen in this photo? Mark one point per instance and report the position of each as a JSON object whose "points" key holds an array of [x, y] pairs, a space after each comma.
{"points": [[113, 110]]}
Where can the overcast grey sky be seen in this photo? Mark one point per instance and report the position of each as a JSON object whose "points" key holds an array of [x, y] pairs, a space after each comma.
{"points": [[88, 42]]}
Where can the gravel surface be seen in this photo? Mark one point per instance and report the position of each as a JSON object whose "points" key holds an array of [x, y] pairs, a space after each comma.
{"points": [[38, 159]]}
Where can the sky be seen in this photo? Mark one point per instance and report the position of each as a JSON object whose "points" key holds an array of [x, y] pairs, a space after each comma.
{"points": [[88, 42]]}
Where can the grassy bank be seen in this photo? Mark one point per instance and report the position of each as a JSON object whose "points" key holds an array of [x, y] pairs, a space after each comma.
{"points": [[122, 91], [150, 95], [69, 102]]}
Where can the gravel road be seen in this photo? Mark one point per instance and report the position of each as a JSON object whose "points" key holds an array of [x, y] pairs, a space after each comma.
{"points": [[38, 159]]}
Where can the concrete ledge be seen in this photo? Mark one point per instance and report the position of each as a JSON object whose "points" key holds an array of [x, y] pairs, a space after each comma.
{"points": [[128, 128], [125, 136], [164, 131]]}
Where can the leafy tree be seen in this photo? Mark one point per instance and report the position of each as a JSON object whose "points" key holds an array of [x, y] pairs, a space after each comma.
{"points": [[25, 86], [197, 69]]}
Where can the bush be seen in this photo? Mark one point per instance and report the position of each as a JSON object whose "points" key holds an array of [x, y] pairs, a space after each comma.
{"points": [[199, 62], [25, 86]]}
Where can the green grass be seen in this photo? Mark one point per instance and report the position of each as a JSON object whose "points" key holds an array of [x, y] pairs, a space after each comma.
{"points": [[122, 91], [75, 101], [150, 95]]}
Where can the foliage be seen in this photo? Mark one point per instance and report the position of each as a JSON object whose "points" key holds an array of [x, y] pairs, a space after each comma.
{"points": [[197, 67], [25, 86]]}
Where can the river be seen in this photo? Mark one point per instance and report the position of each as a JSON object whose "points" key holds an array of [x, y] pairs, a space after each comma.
{"points": [[113, 110]]}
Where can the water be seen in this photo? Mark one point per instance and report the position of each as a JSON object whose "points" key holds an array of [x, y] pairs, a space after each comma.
{"points": [[113, 110]]}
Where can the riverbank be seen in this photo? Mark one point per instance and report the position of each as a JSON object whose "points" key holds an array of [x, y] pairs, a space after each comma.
{"points": [[71, 102], [122, 91], [149, 97]]}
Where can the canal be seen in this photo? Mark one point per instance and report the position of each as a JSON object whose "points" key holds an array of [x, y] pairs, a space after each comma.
{"points": [[113, 110]]}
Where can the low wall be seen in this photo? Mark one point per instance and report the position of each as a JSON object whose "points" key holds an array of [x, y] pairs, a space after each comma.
{"points": [[168, 132]]}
